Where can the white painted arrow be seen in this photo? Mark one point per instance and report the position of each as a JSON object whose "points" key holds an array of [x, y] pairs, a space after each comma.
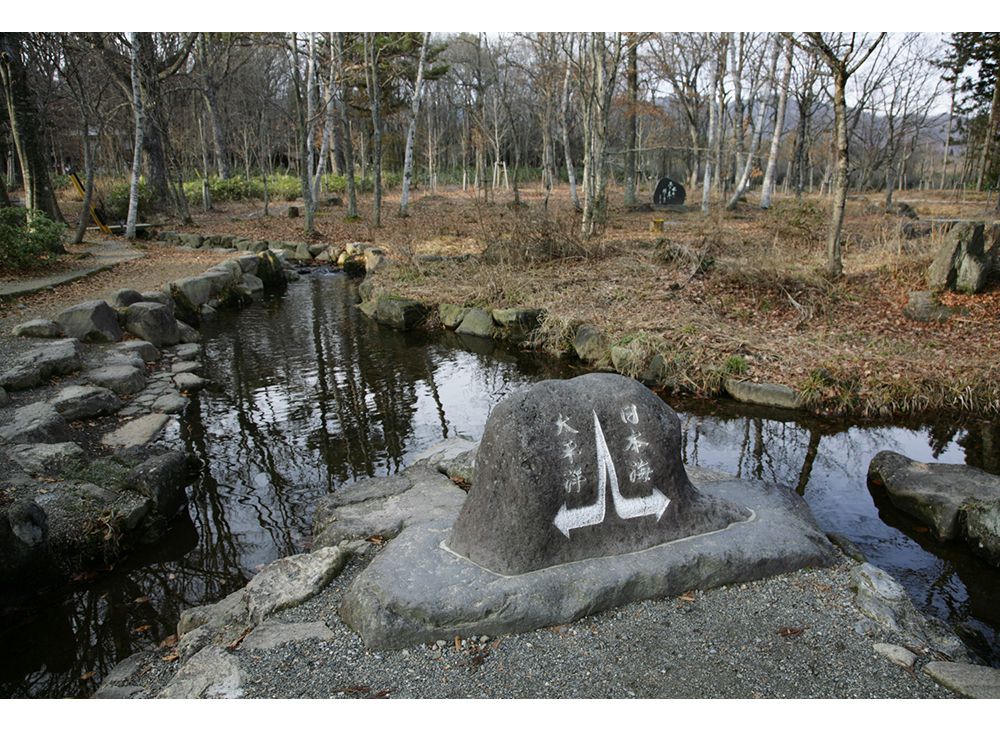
{"points": [[575, 518], [627, 508]]}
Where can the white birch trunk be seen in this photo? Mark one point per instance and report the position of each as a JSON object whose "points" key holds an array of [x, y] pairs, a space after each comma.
{"points": [[564, 119], [772, 157], [133, 192], [404, 200]]}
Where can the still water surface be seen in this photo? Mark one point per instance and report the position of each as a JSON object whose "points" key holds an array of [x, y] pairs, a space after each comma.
{"points": [[311, 395]]}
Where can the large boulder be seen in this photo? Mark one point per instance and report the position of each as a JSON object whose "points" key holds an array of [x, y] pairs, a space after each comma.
{"points": [[417, 590], [35, 366], [587, 467], [162, 479], [124, 298], [955, 501], [961, 263], [39, 328], [398, 312], [152, 322], [451, 315], [37, 422], [925, 307], [476, 322], [93, 321], [589, 343], [270, 270], [80, 402], [121, 379]]}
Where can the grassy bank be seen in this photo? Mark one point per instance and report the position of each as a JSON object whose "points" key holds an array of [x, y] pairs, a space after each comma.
{"points": [[732, 294], [738, 294]]}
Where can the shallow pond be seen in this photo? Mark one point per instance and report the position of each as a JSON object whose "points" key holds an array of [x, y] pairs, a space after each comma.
{"points": [[312, 395]]}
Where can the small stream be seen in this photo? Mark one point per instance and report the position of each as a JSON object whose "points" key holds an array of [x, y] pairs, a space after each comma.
{"points": [[311, 395]]}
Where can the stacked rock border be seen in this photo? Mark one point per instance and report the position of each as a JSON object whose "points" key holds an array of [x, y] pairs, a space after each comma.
{"points": [[93, 464]]}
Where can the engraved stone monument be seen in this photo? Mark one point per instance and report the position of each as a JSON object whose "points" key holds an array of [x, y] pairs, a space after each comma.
{"points": [[669, 193], [581, 468]]}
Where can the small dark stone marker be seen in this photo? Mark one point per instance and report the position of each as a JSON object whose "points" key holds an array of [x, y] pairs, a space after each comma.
{"points": [[669, 193], [587, 467]]}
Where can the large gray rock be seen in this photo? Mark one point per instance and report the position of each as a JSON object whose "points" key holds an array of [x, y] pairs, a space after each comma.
{"points": [[290, 581], [251, 285], [143, 349], [587, 467], [935, 495], [451, 315], [477, 322], [883, 599], [124, 298], [162, 479], [163, 298], [35, 458], [152, 322], [980, 528], [33, 423], [80, 402], [189, 294], [924, 306], [416, 590], [209, 674], [766, 395], [136, 433], [187, 333], [38, 329], [189, 382], [966, 679], [93, 321], [35, 366], [961, 263], [170, 403], [123, 380], [24, 539], [384, 506], [397, 312], [589, 344]]}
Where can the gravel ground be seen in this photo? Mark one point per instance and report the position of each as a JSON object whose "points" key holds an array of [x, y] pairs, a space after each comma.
{"points": [[794, 636]]}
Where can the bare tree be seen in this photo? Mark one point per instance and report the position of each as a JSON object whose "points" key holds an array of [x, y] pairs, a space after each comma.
{"points": [[140, 124], [411, 131], [767, 187], [600, 58], [843, 54], [25, 128]]}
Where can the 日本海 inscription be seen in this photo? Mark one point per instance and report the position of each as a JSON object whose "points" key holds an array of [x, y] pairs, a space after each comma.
{"points": [[582, 468], [669, 193]]}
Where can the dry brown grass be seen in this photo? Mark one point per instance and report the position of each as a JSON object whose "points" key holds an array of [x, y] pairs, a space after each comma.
{"points": [[763, 304]]}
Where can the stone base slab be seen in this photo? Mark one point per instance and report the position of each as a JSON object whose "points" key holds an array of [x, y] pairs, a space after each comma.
{"points": [[418, 591]]}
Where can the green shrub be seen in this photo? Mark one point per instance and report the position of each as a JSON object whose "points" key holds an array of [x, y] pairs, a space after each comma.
{"points": [[25, 235], [116, 201]]}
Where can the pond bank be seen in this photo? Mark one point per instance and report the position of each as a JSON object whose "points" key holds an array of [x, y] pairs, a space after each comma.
{"points": [[847, 631], [847, 347], [90, 401]]}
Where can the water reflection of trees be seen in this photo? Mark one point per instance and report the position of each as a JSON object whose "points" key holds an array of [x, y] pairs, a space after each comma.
{"points": [[827, 462]]}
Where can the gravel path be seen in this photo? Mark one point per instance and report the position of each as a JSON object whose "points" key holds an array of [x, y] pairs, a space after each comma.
{"points": [[793, 636]]}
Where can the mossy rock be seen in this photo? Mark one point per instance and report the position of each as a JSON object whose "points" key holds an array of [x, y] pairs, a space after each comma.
{"points": [[477, 322], [451, 315]]}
